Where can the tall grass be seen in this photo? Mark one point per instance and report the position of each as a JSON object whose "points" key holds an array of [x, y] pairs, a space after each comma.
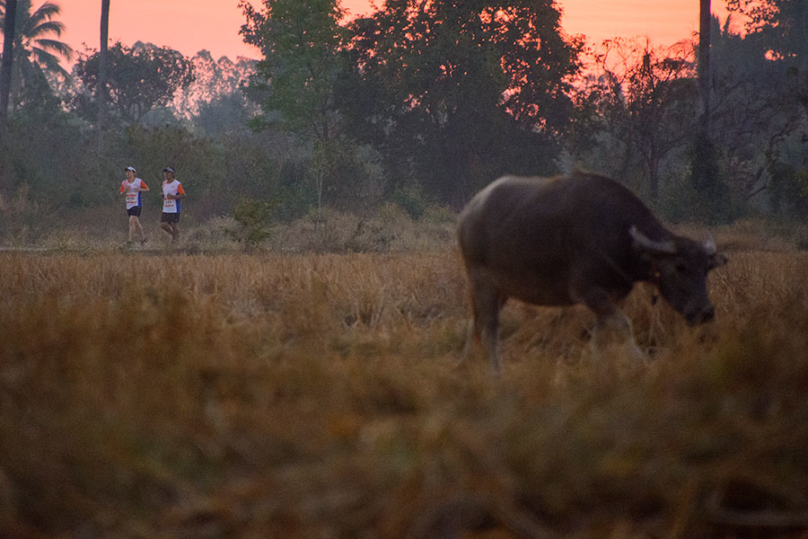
{"points": [[385, 229], [316, 396]]}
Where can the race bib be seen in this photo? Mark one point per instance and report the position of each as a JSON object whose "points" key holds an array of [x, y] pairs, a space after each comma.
{"points": [[169, 204], [131, 198]]}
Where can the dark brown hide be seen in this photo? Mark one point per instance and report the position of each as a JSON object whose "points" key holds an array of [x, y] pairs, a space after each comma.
{"points": [[583, 239]]}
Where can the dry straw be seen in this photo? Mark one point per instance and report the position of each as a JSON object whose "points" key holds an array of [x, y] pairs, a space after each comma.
{"points": [[315, 396]]}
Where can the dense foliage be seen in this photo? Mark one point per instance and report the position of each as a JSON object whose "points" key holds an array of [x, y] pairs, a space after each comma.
{"points": [[421, 103], [454, 94], [140, 79]]}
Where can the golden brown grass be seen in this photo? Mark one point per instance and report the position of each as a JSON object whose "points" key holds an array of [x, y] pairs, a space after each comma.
{"points": [[315, 396], [386, 229]]}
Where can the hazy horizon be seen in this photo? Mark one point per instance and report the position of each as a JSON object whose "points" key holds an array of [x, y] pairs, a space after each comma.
{"points": [[190, 26]]}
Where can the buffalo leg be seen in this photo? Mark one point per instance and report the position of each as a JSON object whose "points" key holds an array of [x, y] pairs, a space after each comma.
{"points": [[486, 303], [611, 322]]}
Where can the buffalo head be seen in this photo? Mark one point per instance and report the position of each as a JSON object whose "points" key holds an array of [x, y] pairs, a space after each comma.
{"points": [[679, 268]]}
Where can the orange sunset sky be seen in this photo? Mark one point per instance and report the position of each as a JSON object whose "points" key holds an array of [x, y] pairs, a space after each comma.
{"points": [[191, 25]]}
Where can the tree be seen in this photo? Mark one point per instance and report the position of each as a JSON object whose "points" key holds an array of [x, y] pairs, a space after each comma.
{"points": [[103, 62], [213, 79], [141, 79], [9, 15], [779, 26], [643, 104], [224, 114], [759, 114], [705, 21], [454, 93], [36, 50], [713, 204], [301, 43]]}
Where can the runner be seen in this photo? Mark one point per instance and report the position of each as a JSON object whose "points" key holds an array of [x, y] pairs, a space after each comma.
{"points": [[173, 193], [131, 188]]}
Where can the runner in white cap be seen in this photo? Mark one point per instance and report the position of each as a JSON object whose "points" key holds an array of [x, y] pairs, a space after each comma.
{"points": [[173, 193], [131, 188]]}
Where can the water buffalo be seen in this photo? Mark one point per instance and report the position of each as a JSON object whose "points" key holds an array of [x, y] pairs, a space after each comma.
{"points": [[582, 239]]}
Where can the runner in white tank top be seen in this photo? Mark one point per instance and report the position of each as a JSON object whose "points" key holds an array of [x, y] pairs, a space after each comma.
{"points": [[131, 188], [173, 193]]}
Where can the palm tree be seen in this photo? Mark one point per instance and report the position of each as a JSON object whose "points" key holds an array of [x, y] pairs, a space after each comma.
{"points": [[37, 51]]}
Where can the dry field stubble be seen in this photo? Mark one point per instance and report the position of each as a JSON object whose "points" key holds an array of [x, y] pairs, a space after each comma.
{"points": [[315, 396]]}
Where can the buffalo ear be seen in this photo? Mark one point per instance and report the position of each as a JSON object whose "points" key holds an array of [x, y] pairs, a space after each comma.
{"points": [[650, 247], [717, 260]]}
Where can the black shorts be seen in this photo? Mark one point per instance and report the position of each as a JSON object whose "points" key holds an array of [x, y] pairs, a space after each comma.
{"points": [[170, 217], [134, 211]]}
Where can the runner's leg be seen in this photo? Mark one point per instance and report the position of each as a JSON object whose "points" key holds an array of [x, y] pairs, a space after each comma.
{"points": [[133, 223]]}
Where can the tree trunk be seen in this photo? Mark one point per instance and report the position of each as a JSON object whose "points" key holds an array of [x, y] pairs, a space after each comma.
{"points": [[705, 20], [713, 204], [102, 74], [8, 58]]}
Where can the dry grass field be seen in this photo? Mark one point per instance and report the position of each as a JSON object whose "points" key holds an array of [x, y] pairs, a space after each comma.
{"points": [[175, 395]]}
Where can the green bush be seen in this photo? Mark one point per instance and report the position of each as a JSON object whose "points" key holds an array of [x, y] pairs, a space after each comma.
{"points": [[253, 217], [411, 198]]}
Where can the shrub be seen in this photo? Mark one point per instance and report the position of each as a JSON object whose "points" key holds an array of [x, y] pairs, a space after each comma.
{"points": [[411, 199], [252, 218]]}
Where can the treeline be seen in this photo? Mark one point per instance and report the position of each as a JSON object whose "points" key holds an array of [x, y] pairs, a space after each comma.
{"points": [[424, 103]]}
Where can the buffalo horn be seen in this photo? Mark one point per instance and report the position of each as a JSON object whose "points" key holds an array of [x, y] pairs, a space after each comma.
{"points": [[642, 241], [709, 247]]}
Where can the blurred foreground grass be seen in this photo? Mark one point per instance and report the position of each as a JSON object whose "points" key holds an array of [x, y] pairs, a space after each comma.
{"points": [[314, 396]]}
